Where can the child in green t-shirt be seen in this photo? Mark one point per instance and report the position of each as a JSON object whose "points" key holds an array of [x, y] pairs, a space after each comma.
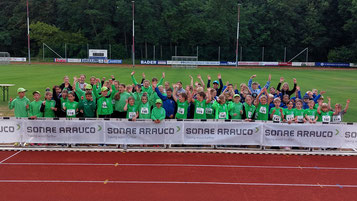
{"points": [[248, 108], [158, 113], [209, 110], [182, 104], [289, 112], [144, 108], [48, 106], [262, 105], [221, 108], [71, 107], [200, 104], [104, 102], [235, 108], [299, 112], [325, 114], [131, 109], [311, 113], [35, 106], [21, 104], [87, 106], [276, 113]]}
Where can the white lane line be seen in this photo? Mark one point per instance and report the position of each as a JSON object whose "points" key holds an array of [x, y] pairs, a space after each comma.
{"points": [[183, 182], [181, 165], [2, 162]]}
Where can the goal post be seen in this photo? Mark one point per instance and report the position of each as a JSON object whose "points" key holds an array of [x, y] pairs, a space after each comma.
{"points": [[184, 61], [4, 58]]}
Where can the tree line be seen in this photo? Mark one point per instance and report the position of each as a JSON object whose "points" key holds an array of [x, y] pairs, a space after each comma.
{"points": [[327, 27]]}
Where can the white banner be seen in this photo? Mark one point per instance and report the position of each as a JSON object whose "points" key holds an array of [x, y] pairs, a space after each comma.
{"points": [[222, 133], [127, 132], [10, 131], [62, 131]]}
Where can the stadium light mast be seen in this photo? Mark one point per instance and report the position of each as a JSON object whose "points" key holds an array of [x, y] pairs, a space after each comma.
{"points": [[28, 32], [133, 48], [237, 34]]}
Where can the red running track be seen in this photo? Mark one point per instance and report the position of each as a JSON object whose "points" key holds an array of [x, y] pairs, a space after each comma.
{"points": [[174, 176]]}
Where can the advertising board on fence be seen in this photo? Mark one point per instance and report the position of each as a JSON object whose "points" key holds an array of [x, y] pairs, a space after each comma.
{"points": [[74, 60], [178, 132], [18, 59]]}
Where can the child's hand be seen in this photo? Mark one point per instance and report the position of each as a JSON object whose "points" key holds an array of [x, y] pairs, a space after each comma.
{"points": [[241, 112], [219, 76], [143, 75], [281, 110], [227, 83], [298, 88], [348, 101], [11, 100], [208, 77], [82, 97], [64, 108], [328, 98], [235, 87], [112, 76], [81, 111], [281, 79], [75, 79], [163, 75], [253, 76], [27, 106], [126, 101], [199, 76], [322, 92], [132, 73], [235, 114], [54, 108], [44, 102], [103, 78], [91, 99], [97, 80], [191, 77], [269, 77], [295, 81]]}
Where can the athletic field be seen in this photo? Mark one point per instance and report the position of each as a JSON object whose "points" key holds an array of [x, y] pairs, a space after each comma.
{"points": [[339, 84]]}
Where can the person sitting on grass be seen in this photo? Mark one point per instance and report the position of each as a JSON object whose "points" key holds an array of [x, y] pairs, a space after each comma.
{"points": [[158, 113], [311, 113], [338, 112], [71, 106], [131, 109], [87, 106], [276, 113], [48, 106], [20, 104], [35, 106]]}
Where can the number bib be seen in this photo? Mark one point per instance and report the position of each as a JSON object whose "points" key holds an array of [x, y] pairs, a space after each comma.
{"points": [[290, 117], [209, 111], [311, 117], [276, 118], [144, 110], [200, 110], [326, 118], [104, 105], [300, 118], [250, 114], [337, 118], [132, 115], [71, 112], [263, 110], [181, 110], [222, 115]]}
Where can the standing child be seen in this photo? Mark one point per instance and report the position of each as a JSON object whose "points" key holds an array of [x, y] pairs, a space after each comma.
{"points": [[262, 104], [131, 109], [158, 113], [71, 106], [299, 112], [200, 105], [35, 106], [221, 108], [325, 115], [289, 112], [144, 108], [311, 113], [87, 106], [48, 106], [209, 109], [338, 113], [249, 108], [235, 108], [182, 104], [276, 113], [104, 102], [20, 104]]}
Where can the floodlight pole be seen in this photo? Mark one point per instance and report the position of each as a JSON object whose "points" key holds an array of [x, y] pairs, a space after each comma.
{"points": [[28, 32], [133, 48], [237, 35]]}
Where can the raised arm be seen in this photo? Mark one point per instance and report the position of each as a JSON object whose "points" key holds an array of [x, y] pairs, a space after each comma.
{"points": [[279, 85], [162, 79], [267, 85], [347, 104], [133, 78], [191, 83], [201, 80], [208, 81]]}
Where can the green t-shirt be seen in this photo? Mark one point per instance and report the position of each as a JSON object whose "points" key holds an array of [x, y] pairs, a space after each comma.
{"points": [[221, 110], [200, 109], [63, 101], [144, 110], [48, 111], [137, 96], [325, 116], [35, 107], [131, 111], [182, 110], [153, 97], [289, 114], [120, 104], [209, 110], [158, 113], [262, 112], [71, 108], [20, 106], [88, 108], [249, 110], [312, 114], [277, 114], [299, 114], [235, 110]]}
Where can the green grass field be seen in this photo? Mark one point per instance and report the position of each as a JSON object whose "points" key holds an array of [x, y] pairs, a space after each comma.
{"points": [[339, 84]]}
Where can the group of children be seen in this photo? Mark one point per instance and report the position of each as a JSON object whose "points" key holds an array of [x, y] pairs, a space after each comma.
{"points": [[158, 101]]}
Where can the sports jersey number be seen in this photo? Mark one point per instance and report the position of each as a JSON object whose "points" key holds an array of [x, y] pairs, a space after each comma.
{"points": [[132, 115], [290, 117], [250, 114], [200, 110], [144, 110], [300, 118], [276, 118], [209, 110], [263, 110], [104, 105], [181, 110], [222, 115], [71, 112], [311, 117], [337, 118], [326, 118]]}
